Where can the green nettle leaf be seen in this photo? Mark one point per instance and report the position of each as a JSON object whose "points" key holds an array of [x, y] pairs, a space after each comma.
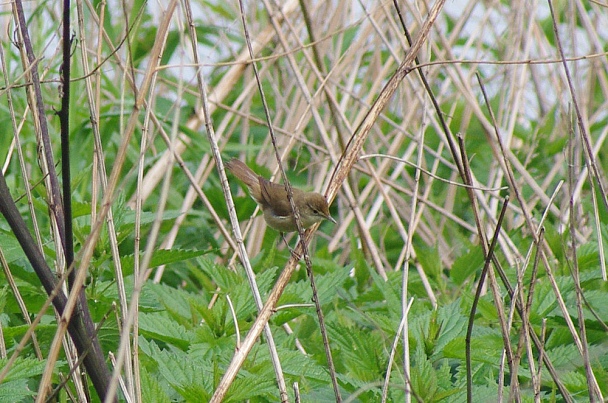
{"points": [[329, 283], [161, 257], [389, 293], [543, 303], [251, 386], [423, 377], [576, 382], [216, 318], [16, 390], [225, 279], [175, 302], [151, 389], [17, 384], [486, 346], [162, 328], [435, 329], [187, 376], [304, 367], [452, 324], [429, 259], [265, 280], [236, 287], [25, 368], [362, 351], [10, 247], [465, 265], [445, 387], [487, 310]]}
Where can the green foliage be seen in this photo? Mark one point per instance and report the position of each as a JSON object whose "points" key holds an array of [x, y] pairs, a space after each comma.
{"points": [[162, 257], [190, 319], [16, 391], [361, 329], [152, 389], [15, 386]]}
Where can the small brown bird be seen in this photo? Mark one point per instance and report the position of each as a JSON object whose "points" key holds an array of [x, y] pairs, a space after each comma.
{"points": [[273, 200]]}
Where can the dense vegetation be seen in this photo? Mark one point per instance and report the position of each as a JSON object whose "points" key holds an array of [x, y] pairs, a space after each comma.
{"points": [[407, 281]]}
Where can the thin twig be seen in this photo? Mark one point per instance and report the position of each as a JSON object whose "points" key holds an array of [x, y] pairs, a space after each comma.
{"points": [[590, 161], [595, 393], [484, 271]]}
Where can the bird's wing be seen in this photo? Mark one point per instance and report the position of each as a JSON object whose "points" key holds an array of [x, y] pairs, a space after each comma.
{"points": [[273, 191]]}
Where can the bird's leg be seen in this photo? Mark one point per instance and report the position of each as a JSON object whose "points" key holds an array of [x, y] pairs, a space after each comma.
{"points": [[291, 251]]}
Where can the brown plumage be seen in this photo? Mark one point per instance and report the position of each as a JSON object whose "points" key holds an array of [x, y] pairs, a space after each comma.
{"points": [[274, 203]]}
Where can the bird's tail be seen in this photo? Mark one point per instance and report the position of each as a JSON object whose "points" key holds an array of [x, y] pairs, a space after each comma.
{"points": [[245, 174]]}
